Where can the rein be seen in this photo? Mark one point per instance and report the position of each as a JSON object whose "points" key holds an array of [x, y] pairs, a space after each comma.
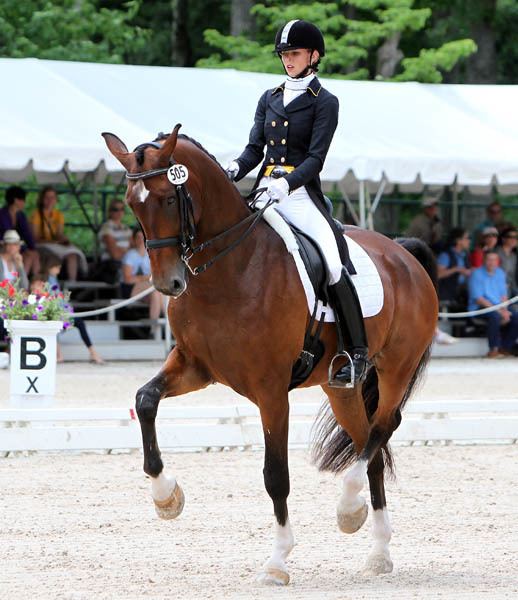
{"points": [[187, 226]]}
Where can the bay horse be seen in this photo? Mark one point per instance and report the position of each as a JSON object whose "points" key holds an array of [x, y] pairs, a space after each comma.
{"points": [[242, 322]]}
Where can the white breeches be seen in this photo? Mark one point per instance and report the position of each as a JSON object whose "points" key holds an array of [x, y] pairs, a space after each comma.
{"points": [[299, 210]]}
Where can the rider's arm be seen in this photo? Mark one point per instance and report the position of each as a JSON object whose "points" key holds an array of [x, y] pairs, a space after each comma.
{"points": [[324, 125], [253, 153]]}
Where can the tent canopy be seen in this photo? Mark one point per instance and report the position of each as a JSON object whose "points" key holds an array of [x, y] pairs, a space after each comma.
{"points": [[53, 113]]}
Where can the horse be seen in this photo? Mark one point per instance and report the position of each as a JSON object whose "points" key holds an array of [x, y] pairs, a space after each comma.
{"points": [[238, 312]]}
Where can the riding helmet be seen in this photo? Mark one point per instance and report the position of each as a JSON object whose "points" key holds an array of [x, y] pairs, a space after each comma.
{"points": [[299, 34]]}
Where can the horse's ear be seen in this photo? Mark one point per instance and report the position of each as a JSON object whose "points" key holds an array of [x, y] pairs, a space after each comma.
{"points": [[168, 146], [118, 148]]}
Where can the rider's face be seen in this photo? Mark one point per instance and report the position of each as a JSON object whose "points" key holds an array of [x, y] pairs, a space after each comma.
{"points": [[295, 61]]}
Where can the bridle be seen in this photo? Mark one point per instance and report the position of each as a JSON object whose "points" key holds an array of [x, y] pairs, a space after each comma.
{"points": [[187, 225]]}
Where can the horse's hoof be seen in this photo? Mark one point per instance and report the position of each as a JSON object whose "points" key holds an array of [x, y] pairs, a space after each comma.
{"points": [[350, 522], [377, 565], [273, 577], [171, 507]]}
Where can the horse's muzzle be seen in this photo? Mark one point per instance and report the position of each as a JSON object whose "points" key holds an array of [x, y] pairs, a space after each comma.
{"points": [[175, 284]]}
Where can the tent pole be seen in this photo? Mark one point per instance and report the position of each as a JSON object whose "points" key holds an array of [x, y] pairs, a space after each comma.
{"points": [[379, 194], [349, 204], [368, 209], [455, 207], [362, 204]]}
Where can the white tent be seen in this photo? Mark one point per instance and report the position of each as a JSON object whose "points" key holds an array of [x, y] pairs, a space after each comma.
{"points": [[52, 115]]}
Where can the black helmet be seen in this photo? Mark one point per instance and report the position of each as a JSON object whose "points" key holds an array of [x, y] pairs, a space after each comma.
{"points": [[299, 34]]}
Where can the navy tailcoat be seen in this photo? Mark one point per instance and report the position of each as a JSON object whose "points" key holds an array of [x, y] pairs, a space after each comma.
{"points": [[298, 135]]}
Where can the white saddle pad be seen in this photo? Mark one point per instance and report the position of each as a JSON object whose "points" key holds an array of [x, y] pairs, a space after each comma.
{"points": [[367, 283]]}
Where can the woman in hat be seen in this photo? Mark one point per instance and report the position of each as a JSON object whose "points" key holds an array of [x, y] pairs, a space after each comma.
{"points": [[11, 261], [488, 241], [296, 122]]}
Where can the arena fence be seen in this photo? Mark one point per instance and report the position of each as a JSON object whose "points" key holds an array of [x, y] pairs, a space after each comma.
{"points": [[238, 427]]}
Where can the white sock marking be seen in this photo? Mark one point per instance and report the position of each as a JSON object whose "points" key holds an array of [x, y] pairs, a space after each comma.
{"points": [[381, 531], [354, 481], [282, 546], [162, 487]]}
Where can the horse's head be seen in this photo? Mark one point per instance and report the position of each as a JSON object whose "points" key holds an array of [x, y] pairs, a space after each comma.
{"points": [[161, 204]]}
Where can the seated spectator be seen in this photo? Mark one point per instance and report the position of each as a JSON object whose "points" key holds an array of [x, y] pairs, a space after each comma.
{"points": [[494, 218], [114, 241], [11, 265], [13, 217], [48, 225], [487, 288], [453, 269], [508, 259], [427, 226], [136, 273], [11, 261], [50, 277], [488, 241]]}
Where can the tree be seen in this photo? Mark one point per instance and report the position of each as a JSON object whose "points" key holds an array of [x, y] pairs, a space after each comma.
{"points": [[363, 43], [68, 30]]}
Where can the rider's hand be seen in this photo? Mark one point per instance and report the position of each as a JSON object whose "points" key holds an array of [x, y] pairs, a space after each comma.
{"points": [[232, 170], [278, 189]]}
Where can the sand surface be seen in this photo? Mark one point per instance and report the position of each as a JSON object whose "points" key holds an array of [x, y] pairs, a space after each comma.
{"points": [[83, 527]]}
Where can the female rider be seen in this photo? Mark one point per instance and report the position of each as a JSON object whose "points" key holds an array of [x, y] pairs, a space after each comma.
{"points": [[296, 122]]}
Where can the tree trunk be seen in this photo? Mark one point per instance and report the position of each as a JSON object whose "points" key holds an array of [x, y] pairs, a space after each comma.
{"points": [[241, 21], [180, 43], [388, 57], [481, 67]]}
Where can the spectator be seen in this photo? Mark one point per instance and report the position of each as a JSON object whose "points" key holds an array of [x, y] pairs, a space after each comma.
{"points": [[494, 218], [114, 241], [508, 260], [11, 261], [453, 268], [427, 226], [487, 288], [136, 273], [48, 224], [11, 265], [13, 217], [488, 239], [53, 267]]}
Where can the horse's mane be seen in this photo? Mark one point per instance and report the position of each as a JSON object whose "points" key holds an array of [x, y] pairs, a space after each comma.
{"points": [[163, 136]]}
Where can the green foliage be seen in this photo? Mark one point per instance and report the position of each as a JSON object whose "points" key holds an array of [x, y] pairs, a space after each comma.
{"points": [[351, 43], [68, 30]]}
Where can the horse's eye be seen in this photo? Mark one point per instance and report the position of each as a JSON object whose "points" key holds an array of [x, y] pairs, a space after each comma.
{"points": [[170, 199]]}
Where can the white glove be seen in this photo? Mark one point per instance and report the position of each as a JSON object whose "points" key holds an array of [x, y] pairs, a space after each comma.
{"points": [[232, 170], [278, 189]]}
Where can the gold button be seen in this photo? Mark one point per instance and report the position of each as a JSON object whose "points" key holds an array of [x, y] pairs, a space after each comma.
{"points": [[271, 160], [283, 141], [272, 142], [274, 123], [283, 160], [285, 123]]}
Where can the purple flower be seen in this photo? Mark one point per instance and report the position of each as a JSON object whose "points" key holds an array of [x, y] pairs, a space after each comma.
{"points": [[4, 315], [34, 317], [25, 302], [55, 287], [39, 307], [66, 325]]}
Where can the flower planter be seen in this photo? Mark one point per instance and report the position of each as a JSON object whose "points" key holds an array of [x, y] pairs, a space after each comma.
{"points": [[33, 362]]}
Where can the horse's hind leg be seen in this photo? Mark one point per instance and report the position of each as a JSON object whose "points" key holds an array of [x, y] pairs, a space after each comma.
{"points": [[177, 376], [379, 560], [274, 418]]}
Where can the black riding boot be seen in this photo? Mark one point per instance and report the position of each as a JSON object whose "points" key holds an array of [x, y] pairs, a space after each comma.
{"points": [[346, 305]]}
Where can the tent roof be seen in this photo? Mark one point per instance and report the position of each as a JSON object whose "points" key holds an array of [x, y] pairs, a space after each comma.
{"points": [[54, 111]]}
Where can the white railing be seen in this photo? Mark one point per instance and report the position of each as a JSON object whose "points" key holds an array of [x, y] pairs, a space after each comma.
{"points": [[200, 428]]}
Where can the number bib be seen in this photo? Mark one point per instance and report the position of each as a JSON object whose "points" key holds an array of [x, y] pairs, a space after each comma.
{"points": [[178, 174]]}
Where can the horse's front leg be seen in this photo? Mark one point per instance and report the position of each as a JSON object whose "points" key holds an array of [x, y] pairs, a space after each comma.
{"points": [[274, 418], [179, 375]]}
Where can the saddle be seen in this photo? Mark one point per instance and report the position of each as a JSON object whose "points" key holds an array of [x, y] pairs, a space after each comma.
{"points": [[313, 350]]}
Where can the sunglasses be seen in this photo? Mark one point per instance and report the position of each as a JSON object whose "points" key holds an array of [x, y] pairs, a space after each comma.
{"points": [[120, 209]]}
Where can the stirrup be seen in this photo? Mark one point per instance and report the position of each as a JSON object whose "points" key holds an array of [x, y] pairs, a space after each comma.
{"points": [[336, 383]]}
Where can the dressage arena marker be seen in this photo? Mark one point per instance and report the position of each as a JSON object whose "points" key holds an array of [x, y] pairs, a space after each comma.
{"points": [[190, 428]]}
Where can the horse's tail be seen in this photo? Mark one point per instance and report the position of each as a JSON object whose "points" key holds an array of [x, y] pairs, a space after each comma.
{"points": [[333, 449], [424, 255]]}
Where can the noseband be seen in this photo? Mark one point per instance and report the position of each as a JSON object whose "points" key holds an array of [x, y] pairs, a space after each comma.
{"points": [[187, 226]]}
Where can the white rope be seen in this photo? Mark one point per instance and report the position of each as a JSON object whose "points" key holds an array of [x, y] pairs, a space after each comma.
{"points": [[476, 313], [100, 311]]}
